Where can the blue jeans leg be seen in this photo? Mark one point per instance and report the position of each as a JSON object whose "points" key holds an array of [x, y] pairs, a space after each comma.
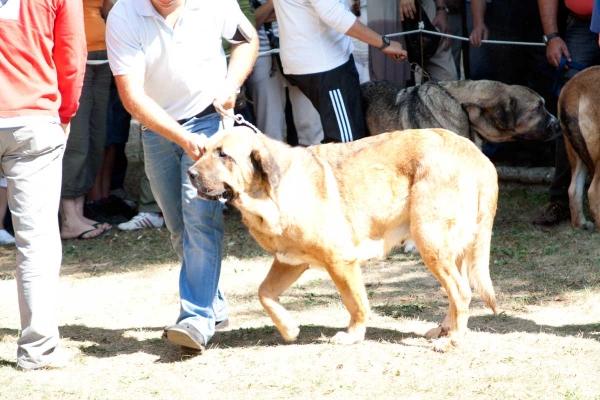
{"points": [[196, 226]]}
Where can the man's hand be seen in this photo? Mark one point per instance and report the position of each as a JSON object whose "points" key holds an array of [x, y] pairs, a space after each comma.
{"points": [[407, 9], [395, 51], [195, 145], [480, 32], [555, 49], [441, 22], [66, 128], [226, 95]]}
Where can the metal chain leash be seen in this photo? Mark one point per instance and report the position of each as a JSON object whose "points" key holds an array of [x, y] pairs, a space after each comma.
{"points": [[236, 117]]}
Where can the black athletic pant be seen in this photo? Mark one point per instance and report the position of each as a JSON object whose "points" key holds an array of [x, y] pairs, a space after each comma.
{"points": [[337, 97]]}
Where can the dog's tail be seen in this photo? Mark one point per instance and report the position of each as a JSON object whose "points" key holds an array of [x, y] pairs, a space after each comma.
{"points": [[478, 258]]}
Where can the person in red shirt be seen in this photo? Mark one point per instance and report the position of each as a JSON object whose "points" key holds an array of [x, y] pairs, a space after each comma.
{"points": [[43, 52]]}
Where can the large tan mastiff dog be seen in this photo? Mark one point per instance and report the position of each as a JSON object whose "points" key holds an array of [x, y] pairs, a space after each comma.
{"points": [[336, 206], [579, 116]]}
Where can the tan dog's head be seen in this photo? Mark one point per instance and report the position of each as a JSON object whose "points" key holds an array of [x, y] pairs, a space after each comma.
{"points": [[501, 113], [235, 161]]}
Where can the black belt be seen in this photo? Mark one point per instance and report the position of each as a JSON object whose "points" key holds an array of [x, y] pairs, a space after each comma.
{"points": [[208, 110]]}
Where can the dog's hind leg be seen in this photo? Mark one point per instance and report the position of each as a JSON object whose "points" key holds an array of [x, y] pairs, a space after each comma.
{"points": [[594, 196], [349, 281], [280, 277], [578, 176], [443, 264]]}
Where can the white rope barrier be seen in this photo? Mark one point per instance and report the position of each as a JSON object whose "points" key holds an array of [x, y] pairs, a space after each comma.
{"points": [[506, 42], [422, 30]]}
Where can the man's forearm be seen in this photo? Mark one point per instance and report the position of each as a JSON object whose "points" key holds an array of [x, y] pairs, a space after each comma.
{"points": [[478, 11], [548, 12], [365, 34], [242, 60], [262, 13], [145, 110]]}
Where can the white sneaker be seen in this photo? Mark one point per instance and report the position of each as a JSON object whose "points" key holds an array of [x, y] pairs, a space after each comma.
{"points": [[6, 238], [143, 220]]}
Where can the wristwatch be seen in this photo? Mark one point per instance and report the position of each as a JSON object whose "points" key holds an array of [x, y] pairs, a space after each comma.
{"points": [[549, 37], [442, 8], [386, 42]]}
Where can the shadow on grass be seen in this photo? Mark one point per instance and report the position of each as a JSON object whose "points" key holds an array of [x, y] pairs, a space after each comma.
{"points": [[108, 343], [503, 323]]}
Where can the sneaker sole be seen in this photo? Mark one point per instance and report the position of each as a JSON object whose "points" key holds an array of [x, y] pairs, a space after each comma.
{"points": [[184, 340], [222, 325]]}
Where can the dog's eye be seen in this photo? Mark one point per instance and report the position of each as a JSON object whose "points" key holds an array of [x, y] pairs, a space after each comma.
{"points": [[221, 154]]}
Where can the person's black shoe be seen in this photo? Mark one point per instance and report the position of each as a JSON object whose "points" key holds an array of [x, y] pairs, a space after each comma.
{"points": [[114, 205], [552, 215]]}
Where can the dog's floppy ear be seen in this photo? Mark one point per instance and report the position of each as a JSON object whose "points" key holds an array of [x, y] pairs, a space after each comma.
{"points": [[264, 163], [504, 116]]}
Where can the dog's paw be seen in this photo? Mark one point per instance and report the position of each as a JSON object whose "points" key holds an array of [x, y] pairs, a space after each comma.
{"points": [[345, 338], [443, 345], [290, 334], [435, 333], [589, 226]]}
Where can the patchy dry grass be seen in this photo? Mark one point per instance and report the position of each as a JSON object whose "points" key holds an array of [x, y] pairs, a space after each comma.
{"points": [[118, 292]]}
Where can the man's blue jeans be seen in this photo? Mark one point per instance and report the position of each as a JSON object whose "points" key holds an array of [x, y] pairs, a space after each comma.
{"points": [[196, 226]]}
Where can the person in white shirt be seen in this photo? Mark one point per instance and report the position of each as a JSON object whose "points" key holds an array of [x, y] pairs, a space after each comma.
{"points": [[316, 53], [268, 86], [171, 72]]}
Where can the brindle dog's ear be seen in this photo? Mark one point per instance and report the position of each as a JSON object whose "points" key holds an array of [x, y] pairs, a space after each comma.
{"points": [[264, 163], [504, 116]]}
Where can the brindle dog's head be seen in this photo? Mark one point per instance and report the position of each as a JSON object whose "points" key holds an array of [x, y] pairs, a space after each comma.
{"points": [[501, 113], [234, 162]]}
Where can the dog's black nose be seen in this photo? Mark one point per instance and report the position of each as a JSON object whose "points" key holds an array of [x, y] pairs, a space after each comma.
{"points": [[192, 173]]}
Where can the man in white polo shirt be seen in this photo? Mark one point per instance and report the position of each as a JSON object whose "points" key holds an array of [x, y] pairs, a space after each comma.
{"points": [[170, 69]]}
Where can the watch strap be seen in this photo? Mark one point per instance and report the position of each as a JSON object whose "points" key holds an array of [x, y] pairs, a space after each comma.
{"points": [[547, 38], [386, 42]]}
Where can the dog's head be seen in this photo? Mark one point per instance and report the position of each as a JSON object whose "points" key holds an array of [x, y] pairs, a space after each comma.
{"points": [[501, 113], [235, 161]]}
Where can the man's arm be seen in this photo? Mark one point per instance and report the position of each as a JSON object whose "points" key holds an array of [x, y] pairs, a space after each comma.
{"points": [[556, 47], [440, 21], [335, 14], [480, 31], [264, 13], [240, 65], [360, 31], [70, 53], [153, 116]]}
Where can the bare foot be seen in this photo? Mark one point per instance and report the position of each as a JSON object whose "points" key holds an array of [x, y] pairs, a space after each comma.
{"points": [[82, 231], [96, 224]]}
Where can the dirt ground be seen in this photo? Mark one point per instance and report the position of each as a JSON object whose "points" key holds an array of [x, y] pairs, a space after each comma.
{"points": [[118, 292]]}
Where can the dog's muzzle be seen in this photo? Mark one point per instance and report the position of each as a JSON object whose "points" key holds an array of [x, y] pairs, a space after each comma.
{"points": [[223, 195], [553, 127]]}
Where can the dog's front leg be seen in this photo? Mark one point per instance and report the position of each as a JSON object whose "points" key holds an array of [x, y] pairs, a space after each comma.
{"points": [[279, 278], [348, 279]]}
